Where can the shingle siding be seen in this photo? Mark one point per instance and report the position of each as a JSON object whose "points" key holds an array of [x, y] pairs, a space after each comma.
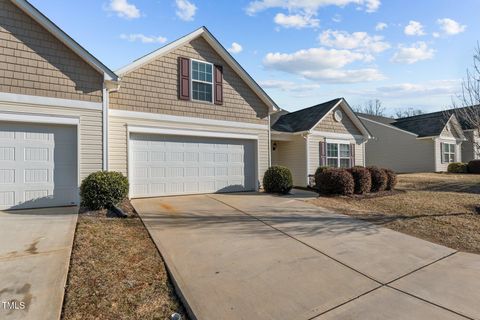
{"points": [[328, 124], [154, 88], [34, 62]]}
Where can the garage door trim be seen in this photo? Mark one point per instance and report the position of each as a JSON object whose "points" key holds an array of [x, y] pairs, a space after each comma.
{"points": [[191, 133], [49, 119]]}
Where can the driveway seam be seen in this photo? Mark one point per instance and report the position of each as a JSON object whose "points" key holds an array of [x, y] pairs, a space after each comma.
{"points": [[387, 284], [298, 240]]}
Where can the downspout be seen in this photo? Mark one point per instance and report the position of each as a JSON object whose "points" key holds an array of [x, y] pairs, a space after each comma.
{"points": [[269, 143], [307, 155], [105, 127]]}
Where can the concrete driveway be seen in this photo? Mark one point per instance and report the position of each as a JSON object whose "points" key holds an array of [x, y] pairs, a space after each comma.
{"points": [[35, 247], [256, 256]]}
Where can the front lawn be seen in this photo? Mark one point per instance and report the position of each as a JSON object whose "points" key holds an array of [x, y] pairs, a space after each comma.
{"points": [[116, 272], [436, 207]]}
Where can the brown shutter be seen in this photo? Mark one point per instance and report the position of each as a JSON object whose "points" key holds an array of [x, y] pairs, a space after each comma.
{"points": [[323, 154], [352, 155], [442, 147], [184, 78], [218, 85]]}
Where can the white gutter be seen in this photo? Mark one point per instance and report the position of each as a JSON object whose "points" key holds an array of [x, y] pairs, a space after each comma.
{"points": [[269, 143], [108, 86]]}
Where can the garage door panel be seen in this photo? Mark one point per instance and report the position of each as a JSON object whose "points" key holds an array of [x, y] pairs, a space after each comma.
{"points": [[38, 165], [169, 165]]}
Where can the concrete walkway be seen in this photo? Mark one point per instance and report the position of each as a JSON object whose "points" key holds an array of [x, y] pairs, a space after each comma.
{"points": [[35, 247], [256, 256]]}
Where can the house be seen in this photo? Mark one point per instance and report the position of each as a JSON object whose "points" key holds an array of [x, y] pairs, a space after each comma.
{"points": [[327, 134], [470, 147], [53, 97], [423, 143], [189, 119]]}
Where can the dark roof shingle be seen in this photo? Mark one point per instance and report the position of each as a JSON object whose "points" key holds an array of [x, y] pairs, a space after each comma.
{"points": [[305, 119]]}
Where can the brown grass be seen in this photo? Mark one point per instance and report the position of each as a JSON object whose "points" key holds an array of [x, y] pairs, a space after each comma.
{"points": [[437, 207], [116, 272]]}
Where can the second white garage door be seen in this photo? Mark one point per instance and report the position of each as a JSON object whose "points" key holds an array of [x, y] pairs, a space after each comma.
{"points": [[174, 165]]}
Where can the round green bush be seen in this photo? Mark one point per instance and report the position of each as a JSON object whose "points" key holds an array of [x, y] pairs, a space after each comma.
{"points": [[334, 181], [362, 180], [391, 179], [379, 179], [103, 189], [278, 179], [474, 166]]}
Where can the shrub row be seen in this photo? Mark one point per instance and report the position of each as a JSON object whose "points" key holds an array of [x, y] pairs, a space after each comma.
{"points": [[460, 167], [356, 180]]}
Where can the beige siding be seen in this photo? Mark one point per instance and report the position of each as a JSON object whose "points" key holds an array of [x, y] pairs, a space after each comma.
{"points": [[314, 151], [90, 131], [154, 88], [118, 150], [328, 124], [292, 154], [398, 150], [34, 62]]}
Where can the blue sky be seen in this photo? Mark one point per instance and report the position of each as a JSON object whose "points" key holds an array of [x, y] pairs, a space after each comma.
{"points": [[406, 53]]}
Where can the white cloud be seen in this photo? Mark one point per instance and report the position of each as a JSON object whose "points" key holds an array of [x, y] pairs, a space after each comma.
{"points": [[143, 38], [323, 64], [381, 26], [124, 9], [235, 48], [417, 52], [450, 26], [284, 85], [309, 6], [436, 35], [413, 90], [337, 18], [414, 28], [297, 21], [185, 10], [356, 40]]}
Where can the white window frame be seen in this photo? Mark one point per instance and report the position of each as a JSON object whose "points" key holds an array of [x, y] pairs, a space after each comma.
{"points": [[449, 153], [338, 157], [200, 81]]}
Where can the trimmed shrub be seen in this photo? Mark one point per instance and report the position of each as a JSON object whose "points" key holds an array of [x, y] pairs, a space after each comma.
{"points": [[474, 166], [379, 179], [278, 179], [391, 179], [334, 181], [362, 179], [103, 190], [457, 167]]}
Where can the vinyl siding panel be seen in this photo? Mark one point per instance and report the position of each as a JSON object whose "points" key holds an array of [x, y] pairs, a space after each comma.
{"points": [[118, 149], [154, 88], [292, 154], [34, 62], [398, 150], [90, 130], [469, 146]]}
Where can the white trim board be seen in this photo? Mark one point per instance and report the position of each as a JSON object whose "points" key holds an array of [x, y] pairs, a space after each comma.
{"points": [[47, 101], [180, 119], [31, 118], [51, 27], [340, 136], [192, 133], [217, 46]]}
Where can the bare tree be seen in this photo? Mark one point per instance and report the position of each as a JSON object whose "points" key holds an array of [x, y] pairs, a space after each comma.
{"points": [[467, 106], [371, 107], [407, 112]]}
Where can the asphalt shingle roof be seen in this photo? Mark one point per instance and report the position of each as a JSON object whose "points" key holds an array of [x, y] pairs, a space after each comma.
{"points": [[425, 125], [381, 119], [305, 119]]}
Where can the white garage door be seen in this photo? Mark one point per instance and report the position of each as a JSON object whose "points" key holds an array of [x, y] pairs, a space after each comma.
{"points": [[38, 165], [172, 165]]}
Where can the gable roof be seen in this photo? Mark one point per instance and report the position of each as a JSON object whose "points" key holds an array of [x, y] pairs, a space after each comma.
{"points": [[308, 118], [51, 27], [425, 125], [461, 117], [381, 119], [217, 46]]}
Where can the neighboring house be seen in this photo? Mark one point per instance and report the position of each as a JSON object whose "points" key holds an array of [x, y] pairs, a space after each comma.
{"points": [[328, 134], [423, 143], [470, 147], [52, 106], [189, 119]]}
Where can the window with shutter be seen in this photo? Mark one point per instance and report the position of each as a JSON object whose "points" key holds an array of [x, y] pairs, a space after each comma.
{"points": [[184, 81], [218, 85]]}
